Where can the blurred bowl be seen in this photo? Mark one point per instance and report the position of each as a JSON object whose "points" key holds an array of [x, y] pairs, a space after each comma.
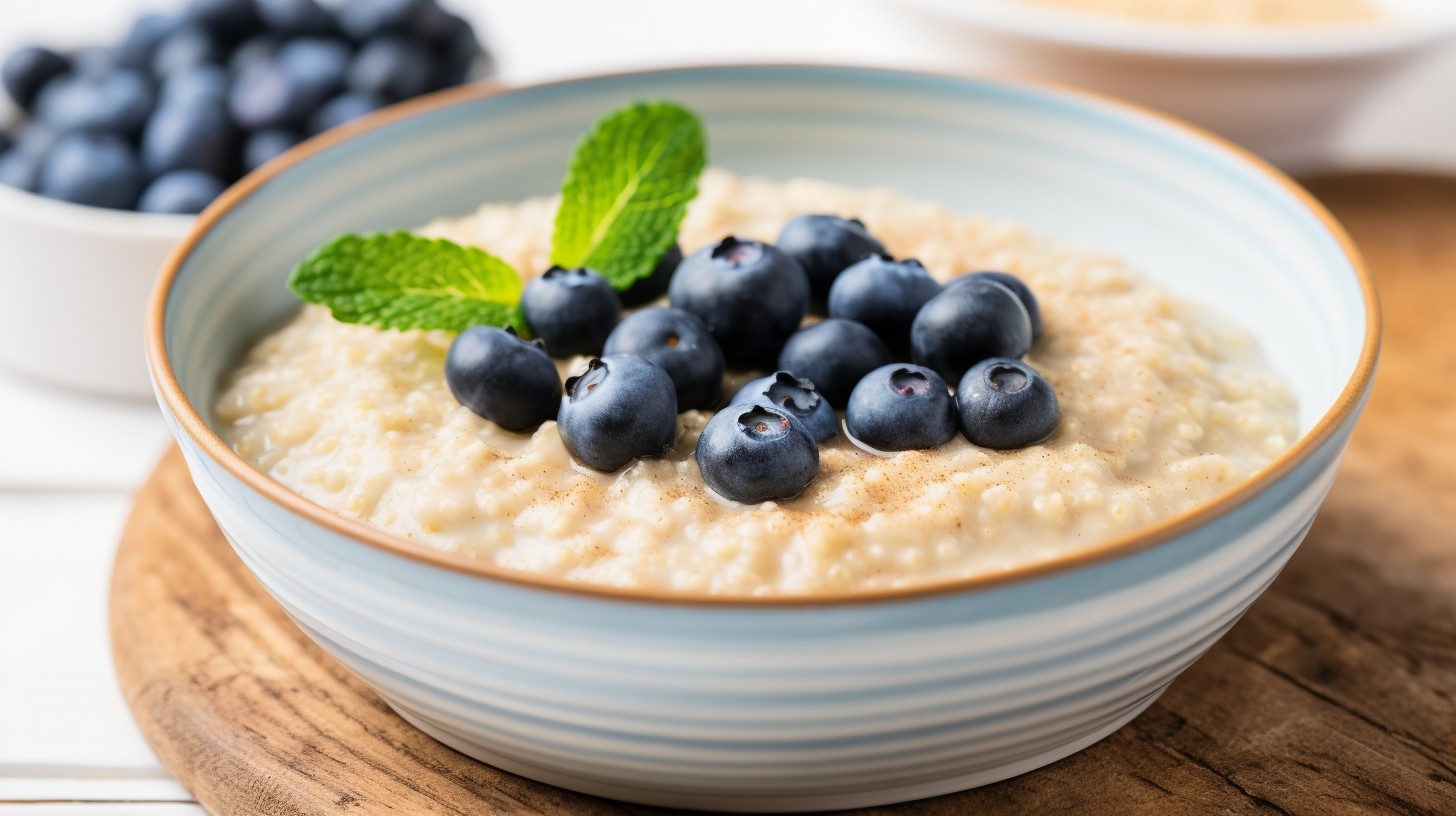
{"points": [[774, 704], [75, 283], [1282, 91]]}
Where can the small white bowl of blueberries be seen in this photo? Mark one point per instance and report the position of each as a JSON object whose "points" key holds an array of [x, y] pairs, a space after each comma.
{"points": [[113, 149]]}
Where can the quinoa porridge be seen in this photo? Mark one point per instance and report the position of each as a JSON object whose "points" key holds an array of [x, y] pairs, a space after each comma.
{"points": [[1163, 408]]}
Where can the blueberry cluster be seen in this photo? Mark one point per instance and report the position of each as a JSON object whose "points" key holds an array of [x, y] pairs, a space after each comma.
{"points": [[893, 340], [188, 102]]}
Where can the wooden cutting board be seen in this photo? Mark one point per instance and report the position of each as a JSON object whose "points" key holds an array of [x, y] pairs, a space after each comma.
{"points": [[1336, 693]]}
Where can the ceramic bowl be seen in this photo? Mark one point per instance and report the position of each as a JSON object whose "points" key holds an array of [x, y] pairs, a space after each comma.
{"points": [[75, 282], [1282, 91], [807, 704]]}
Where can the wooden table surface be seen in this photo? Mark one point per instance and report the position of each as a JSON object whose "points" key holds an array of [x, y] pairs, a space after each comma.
{"points": [[1335, 694]]}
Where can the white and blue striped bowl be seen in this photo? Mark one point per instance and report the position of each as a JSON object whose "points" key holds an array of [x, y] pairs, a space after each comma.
{"points": [[762, 704]]}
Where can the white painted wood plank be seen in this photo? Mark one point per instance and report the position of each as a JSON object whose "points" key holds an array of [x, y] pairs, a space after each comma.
{"points": [[59, 440], [108, 785], [59, 703], [101, 809]]}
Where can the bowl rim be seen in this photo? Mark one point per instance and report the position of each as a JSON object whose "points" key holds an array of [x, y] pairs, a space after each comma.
{"points": [[1132, 36], [190, 420]]}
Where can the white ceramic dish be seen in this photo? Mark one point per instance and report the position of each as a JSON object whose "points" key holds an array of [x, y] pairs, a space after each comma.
{"points": [[1283, 92], [762, 704], [76, 281]]}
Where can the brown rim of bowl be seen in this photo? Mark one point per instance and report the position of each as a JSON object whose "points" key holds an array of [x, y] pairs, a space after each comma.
{"points": [[1166, 530]]}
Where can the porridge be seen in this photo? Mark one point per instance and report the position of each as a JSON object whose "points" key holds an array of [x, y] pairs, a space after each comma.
{"points": [[1162, 408], [1229, 12]]}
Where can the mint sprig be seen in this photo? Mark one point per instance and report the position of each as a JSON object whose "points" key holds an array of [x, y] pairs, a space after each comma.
{"points": [[627, 188], [398, 280]]}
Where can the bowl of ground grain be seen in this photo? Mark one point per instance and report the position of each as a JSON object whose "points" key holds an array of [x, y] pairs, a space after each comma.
{"points": [[1278, 76]]}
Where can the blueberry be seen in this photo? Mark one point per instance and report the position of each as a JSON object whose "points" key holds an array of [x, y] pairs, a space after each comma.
{"points": [[1006, 404], [92, 168], [1018, 287], [901, 407], [968, 323], [146, 34], [682, 345], [365, 19], [97, 61], [187, 47], [28, 70], [570, 310], [750, 295], [502, 378], [119, 102], [654, 286], [835, 355], [230, 20], [36, 139], [202, 84], [258, 48], [883, 294], [296, 18], [825, 245], [452, 39], [21, 169], [319, 64], [21, 162], [796, 395], [621, 408], [391, 68], [433, 26], [753, 453], [263, 146], [345, 107], [465, 58], [264, 95], [184, 192], [20, 165], [198, 136]]}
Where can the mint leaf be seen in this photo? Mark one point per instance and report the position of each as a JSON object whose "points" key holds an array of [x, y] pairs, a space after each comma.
{"points": [[626, 190], [398, 280]]}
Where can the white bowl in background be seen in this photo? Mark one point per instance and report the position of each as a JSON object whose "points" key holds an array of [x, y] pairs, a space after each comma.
{"points": [[75, 282], [1282, 91]]}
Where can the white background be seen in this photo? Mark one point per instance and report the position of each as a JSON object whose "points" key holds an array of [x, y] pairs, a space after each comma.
{"points": [[68, 463]]}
